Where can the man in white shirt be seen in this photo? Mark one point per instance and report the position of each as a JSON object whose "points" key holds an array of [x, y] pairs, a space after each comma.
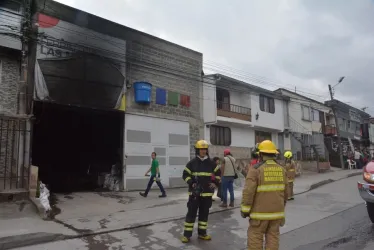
{"points": [[357, 158]]}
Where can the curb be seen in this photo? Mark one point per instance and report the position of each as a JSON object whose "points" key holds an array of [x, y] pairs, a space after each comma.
{"points": [[328, 181], [43, 238]]}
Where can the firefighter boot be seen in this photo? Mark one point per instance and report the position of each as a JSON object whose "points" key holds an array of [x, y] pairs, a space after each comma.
{"points": [[184, 239], [205, 237]]}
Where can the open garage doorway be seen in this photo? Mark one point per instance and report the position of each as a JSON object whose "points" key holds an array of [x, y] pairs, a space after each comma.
{"points": [[75, 147]]}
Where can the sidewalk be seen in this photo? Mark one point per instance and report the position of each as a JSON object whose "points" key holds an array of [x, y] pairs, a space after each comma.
{"points": [[85, 214]]}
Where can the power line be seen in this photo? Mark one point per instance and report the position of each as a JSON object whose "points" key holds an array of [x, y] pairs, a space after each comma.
{"points": [[303, 101], [257, 80]]}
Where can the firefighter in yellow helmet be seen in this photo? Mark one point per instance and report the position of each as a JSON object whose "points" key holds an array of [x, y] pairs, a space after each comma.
{"points": [[291, 173], [202, 178], [264, 199]]}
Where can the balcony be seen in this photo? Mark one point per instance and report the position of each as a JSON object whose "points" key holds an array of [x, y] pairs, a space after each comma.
{"points": [[234, 111], [330, 130]]}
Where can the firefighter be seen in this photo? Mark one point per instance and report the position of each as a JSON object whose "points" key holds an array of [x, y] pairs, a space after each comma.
{"points": [[290, 169], [264, 199], [200, 174]]}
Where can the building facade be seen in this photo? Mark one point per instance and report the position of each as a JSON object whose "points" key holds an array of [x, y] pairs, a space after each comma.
{"points": [[307, 119], [11, 12], [351, 122], [126, 65], [238, 115]]}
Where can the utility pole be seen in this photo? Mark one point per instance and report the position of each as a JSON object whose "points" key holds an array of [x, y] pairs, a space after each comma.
{"points": [[25, 37], [337, 126]]}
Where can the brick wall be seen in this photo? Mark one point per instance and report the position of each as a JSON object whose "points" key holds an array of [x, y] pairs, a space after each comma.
{"points": [[173, 69], [9, 77]]}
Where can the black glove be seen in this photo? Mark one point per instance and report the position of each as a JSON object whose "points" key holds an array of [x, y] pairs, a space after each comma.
{"points": [[244, 215]]}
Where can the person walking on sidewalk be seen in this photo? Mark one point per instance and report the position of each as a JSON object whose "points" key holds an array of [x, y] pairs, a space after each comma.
{"points": [[264, 199], [291, 173], [199, 175], [228, 175], [155, 177]]}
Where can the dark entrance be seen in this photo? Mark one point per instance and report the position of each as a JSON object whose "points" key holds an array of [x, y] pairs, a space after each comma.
{"points": [[72, 146]]}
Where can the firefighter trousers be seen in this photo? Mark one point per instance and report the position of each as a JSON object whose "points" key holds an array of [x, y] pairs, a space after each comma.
{"points": [[194, 205], [290, 190], [260, 228]]}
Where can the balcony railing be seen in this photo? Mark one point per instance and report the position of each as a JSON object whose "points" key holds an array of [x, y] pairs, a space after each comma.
{"points": [[234, 111], [330, 130]]}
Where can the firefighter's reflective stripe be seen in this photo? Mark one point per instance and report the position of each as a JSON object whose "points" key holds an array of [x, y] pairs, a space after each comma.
{"points": [[216, 169], [270, 188], [203, 225], [187, 170], [290, 180], [218, 177], [267, 216], [291, 170], [188, 226], [201, 174], [270, 162], [187, 179], [245, 209], [203, 194]]}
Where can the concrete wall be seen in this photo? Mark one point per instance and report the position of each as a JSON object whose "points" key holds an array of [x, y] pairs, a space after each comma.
{"points": [[168, 138], [148, 58], [267, 120], [242, 140], [174, 69], [296, 113], [9, 80]]}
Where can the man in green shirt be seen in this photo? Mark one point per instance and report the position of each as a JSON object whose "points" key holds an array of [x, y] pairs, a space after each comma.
{"points": [[155, 177]]}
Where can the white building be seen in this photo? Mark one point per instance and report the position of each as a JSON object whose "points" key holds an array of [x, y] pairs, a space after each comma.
{"points": [[237, 115], [309, 121]]}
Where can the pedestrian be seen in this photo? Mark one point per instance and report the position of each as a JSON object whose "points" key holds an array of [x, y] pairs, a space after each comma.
{"points": [[198, 175], [154, 177], [218, 166], [291, 173], [228, 174], [264, 199], [357, 157], [254, 159]]}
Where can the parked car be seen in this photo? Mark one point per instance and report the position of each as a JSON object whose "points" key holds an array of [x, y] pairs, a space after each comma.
{"points": [[366, 188]]}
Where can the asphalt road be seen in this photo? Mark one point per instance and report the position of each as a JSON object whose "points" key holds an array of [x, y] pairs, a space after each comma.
{"points": [[330, 217], [347, 230]]}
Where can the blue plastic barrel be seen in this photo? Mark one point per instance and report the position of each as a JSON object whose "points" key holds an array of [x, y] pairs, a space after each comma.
{"points": [[143, 92]]}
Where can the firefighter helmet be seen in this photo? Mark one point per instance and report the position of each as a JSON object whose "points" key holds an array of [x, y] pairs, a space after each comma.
{"points": [[267, 147], [288, 155], [201, 144]]}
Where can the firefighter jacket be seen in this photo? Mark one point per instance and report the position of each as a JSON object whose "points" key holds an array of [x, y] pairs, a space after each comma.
{"points": [[265, 191], [291, 170], [202, 172]]}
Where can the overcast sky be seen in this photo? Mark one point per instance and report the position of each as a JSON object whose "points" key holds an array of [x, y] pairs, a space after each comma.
{"points": [[306, 44]]}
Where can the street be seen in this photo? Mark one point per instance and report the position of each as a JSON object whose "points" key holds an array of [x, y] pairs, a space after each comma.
{"points": [[331, 216], [346, 230]]}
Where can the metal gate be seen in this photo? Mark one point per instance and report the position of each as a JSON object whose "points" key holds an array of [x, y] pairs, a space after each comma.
{"points": [[14, 156]]}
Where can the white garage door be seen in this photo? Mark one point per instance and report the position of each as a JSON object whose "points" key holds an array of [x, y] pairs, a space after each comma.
{"points": [[168, 138]]}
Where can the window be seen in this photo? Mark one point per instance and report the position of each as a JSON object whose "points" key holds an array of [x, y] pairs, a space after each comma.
{"points": [[305, 112], [11, 5], [223, 99], [220, 135], [267, 104], [358, 129], [261, 136], [315, 115]]}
